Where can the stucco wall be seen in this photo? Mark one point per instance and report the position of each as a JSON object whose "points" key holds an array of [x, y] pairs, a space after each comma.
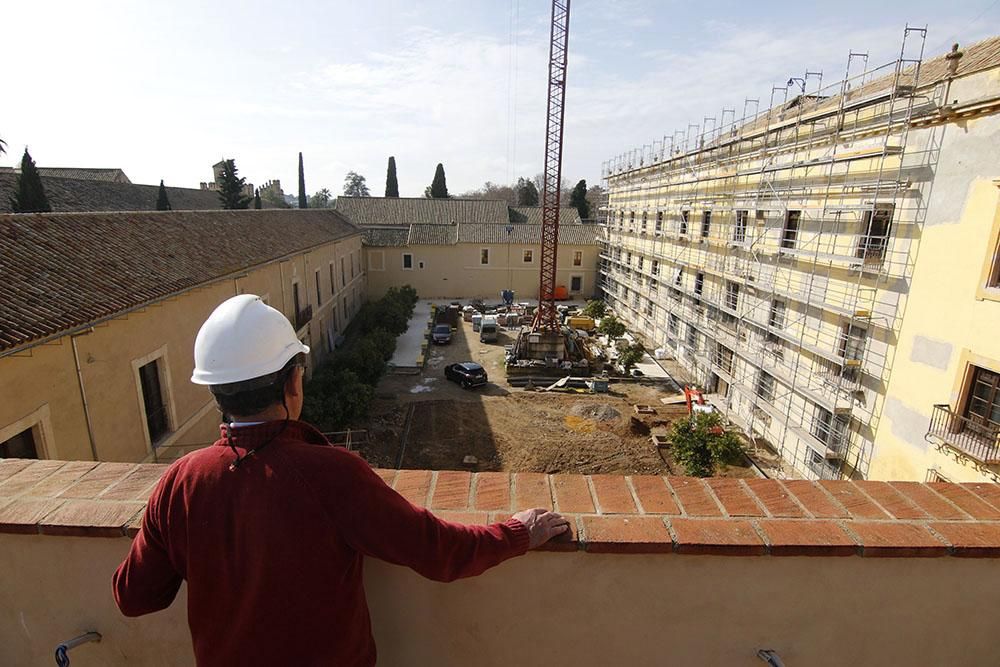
{"points": [[41, 384], [558, 609], [456, 271], [947, 325]]}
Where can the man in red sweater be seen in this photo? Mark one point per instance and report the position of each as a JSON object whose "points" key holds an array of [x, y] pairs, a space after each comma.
{"points": [[270, 526]]}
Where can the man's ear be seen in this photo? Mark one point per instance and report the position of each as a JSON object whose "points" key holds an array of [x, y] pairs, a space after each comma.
{"points": [[293, 385]]}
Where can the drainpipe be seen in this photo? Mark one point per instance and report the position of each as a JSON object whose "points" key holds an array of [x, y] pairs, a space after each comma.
{"points": [[83, 393]]}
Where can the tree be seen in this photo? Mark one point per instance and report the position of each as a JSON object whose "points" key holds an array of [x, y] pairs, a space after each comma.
{"points": [[231, 187], [578, 200], [391, 184], [355, 185], [302, 184], [492, 191], [596, 198], [595, 309], [162, 203], [439, 187], [630, 356], [29, 195], [611, 327], [256, 199], [527, 193], [321, 199], [700, 444]]}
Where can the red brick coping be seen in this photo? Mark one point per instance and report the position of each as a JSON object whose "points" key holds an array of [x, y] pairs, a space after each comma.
{"points": [[609, 513]]}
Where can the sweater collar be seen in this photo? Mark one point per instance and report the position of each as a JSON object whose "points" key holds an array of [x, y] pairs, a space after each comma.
{"points": [[249, 437]]}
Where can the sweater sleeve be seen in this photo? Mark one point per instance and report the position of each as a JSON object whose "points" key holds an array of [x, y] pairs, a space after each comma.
{"points": [[146, 581], [379, 522]]}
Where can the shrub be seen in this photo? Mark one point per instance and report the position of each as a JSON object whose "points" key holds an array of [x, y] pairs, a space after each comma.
{"points": [[611, 327], [700, 444], [630, 356], [596, 309]]}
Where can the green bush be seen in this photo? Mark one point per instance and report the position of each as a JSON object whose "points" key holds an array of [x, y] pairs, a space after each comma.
{"points": [[595, 309], [630, 356], [700, 444], [612, 327], [340, 390]]}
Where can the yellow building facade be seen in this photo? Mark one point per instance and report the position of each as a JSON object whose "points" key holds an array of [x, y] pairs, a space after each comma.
{"points": [[788, 259], [117, 387]]}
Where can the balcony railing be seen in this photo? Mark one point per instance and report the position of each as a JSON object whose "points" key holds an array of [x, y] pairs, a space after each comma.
{"points": [[971, 437], [303, 317]]}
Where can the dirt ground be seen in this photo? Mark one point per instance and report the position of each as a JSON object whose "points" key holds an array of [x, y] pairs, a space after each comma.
{"points": [[426, 422]]}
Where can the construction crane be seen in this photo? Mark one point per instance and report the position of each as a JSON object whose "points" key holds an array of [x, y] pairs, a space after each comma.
{"points": [[546, 318]]}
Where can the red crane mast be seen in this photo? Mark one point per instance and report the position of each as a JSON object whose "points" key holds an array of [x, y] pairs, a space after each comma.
{"points": [[546, 318]]}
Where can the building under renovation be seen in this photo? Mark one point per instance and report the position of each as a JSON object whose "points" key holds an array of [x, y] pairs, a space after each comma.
{"points": [[774, 257]]}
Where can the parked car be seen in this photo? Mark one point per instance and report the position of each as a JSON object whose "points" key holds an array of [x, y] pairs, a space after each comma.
{"points": [[441, 334], [466, 373], [488, 329]]}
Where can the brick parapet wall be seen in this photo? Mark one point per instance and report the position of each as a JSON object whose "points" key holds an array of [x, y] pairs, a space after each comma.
{"points": [[608, 513]]}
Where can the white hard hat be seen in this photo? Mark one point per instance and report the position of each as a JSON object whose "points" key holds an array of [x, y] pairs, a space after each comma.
{"points": [[244, 338]]}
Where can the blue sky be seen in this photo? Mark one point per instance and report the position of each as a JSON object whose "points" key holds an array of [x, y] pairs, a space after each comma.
{"points": [[164, 89]]}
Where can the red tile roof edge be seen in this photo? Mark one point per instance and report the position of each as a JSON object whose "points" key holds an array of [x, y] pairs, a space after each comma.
{"points": [[608, 513]]}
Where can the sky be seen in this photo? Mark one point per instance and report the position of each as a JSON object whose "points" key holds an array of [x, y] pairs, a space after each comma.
{"points": [[165, 89]]}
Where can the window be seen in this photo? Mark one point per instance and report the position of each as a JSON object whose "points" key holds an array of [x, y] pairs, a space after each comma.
{"points": [[672, 325], [684, 221], [333, 284], [740, 232], [407, 260], [692, 337], [484, 256], [724, 358], [776, 319], [21, 446], [659, 221], [699, 283], [791, 230], [347, 312], [353, 261], [993, 280], [643, 222], [641, 262], [576, 284], [852, 342], [631, 221], [343, 272], [319, 294], [765, 386], [655, 269], [983, 406], [152, 401], [295, 300], [529, 256], [706, 224], [732, 295], [875, 226], [829, 429], [578, 258]]}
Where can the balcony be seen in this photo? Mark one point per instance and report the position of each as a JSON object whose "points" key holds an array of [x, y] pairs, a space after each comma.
{"points": [[971, 437], [303, 317]]}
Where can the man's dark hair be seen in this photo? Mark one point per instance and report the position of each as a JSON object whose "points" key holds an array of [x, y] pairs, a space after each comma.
{"points": [[250, 397]]}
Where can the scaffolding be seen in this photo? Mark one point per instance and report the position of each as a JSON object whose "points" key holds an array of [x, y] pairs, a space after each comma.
{"points": [[771, 254]]}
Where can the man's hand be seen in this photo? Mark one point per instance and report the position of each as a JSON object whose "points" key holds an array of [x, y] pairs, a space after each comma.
{"points": [[542, 525]]}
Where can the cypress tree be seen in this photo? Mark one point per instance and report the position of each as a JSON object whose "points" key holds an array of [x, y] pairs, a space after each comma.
{"points": [[231, 187], [303, 203], [391, 184], [256, 199], [162, 203], [29, 195], [527, 193], [578, 200], [439, 187]]}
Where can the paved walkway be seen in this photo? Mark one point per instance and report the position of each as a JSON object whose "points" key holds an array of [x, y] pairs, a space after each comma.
{"points": [[408, 343]]}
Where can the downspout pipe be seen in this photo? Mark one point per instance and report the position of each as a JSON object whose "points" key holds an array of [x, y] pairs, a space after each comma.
{"points": [[83, 393]]}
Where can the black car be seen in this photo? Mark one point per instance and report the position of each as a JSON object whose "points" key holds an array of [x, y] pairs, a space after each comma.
{"points": [[441, 334], [467, 374]]}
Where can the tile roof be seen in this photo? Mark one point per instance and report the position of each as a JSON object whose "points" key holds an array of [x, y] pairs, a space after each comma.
{"points": [[64, 270], [385, 236], [70, 194], [437, 234], [577, 234], [364, 211], [533, 215], [82, 173]]}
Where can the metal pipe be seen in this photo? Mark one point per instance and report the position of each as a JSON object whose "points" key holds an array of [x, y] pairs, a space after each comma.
{"points": [[62, 657], [83, 393]]}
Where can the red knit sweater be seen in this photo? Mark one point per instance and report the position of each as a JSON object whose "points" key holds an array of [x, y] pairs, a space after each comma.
{"points": [[273, 550]]}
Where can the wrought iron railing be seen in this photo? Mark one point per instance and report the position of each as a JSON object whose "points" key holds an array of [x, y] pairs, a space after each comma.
{"points": [[975, 438]]}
